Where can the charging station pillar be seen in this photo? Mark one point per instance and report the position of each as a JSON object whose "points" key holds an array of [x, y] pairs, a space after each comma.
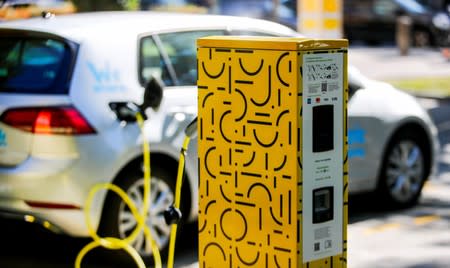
{"points": [[272, 152]]}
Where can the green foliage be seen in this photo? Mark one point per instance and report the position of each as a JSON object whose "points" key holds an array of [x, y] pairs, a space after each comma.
{"points": [[130, 4], [432, 86]]}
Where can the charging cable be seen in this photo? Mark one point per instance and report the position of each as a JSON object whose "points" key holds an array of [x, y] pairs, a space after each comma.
{"points": [[114, 243], [173, 214]]}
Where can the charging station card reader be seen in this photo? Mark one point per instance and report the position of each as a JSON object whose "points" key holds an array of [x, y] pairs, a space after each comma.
{"points": [[323, 204]]}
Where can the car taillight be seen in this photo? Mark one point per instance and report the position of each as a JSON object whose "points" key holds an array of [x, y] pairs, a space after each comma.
{"points": [[48, 120]]}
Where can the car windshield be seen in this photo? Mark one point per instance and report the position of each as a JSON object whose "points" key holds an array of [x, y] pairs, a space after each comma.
{"points": [[33, 65]]}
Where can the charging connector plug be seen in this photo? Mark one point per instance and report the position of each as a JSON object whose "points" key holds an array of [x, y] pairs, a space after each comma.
{"points": [[172, 215]]}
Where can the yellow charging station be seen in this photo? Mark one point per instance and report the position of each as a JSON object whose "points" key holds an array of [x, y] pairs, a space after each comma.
{"points": [[272, 147]]}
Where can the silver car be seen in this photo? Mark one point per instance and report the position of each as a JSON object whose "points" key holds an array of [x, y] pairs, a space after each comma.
{"points": [[59, 136]]}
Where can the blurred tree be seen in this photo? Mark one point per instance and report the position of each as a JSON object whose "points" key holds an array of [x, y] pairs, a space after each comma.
{"points": [[130, 4]]}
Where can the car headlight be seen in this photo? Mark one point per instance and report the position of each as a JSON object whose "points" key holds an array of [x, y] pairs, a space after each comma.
{"points": [[441, 21]]}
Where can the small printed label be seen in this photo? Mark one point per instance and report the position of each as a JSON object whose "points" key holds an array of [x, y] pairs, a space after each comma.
{"points": [[324, 87], [317, 246], [322, 233]]}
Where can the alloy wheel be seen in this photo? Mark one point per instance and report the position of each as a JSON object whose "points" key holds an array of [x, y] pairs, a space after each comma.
{"points": [[404, 171], [161, 197]]}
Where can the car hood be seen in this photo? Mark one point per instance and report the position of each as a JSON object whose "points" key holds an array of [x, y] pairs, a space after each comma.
{"points": [[395, 103]]}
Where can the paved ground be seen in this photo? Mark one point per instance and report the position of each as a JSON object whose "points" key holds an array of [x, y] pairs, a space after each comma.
{"points": [[386, 63]]}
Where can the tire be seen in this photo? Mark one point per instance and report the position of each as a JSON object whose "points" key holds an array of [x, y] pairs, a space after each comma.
{"points": [[118, 221], [404, 171]]}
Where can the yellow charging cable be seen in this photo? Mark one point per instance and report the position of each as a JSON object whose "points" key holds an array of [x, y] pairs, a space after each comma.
{"points": [[179, 183], [116, 243]]}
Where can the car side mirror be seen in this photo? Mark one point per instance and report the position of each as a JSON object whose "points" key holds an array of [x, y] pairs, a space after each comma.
{"points": [[153, 94]]}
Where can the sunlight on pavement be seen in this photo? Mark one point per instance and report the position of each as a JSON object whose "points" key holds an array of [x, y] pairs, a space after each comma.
{"points": [[382, 228], [422, 220]]}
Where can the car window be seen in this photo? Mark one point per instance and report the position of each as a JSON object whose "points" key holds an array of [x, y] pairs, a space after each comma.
{"points": [[151, 62], [172, 57], [36, 65]]}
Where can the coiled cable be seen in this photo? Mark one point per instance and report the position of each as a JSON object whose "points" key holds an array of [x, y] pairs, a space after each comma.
{"points": [[114, 243]]}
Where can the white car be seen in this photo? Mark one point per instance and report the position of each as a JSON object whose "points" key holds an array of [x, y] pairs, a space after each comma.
{"points": [[59, 136]]}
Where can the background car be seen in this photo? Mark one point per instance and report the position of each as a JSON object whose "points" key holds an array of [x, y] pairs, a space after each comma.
{"points": [[375, 21], [59, 137], [393, 143]]}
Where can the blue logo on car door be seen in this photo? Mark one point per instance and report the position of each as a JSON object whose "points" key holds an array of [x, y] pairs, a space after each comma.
{"points": [[356, 142], [107, 78], [2, 138]]}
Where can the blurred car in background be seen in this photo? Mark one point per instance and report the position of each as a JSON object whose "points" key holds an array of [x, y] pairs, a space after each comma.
{"points": [[282, 11], [375, 21], [24, 9], [442, 5], [59, 137], [372, 21]]}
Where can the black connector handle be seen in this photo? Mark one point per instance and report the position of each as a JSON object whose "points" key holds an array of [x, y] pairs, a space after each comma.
{"points": [[126, 111], [172, 215], [191, 129]]}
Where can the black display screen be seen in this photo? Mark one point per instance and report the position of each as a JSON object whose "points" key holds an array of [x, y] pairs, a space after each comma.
{"points": [[323, 128]]}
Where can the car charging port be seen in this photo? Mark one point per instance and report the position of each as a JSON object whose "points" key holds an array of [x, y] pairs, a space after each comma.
{"points": [[126, 111]]}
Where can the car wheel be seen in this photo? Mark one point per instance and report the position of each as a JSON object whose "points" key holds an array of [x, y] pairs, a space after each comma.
{"points": [[118, 221], [403, 171]]}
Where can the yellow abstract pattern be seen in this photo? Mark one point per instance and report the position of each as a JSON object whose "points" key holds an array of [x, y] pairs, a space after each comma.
{"points": [[249, 133]]}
